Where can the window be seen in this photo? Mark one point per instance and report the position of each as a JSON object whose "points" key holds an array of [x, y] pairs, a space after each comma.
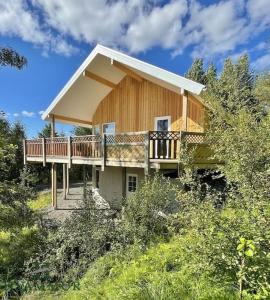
{"points": [[132, 183], [96, 130], [163, 123], [109, 128]]}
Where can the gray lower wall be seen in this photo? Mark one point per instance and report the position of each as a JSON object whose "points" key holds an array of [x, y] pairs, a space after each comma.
{"points": [[112, 183]]}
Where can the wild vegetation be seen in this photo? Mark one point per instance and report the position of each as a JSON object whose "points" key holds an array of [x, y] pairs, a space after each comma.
{"points": [[205, 235]]}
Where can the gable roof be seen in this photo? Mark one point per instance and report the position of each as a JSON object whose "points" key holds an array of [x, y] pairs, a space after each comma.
{"points": [[80, 97]]}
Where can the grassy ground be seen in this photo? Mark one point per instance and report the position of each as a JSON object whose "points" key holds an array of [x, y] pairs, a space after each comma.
{"points": [[162, 272], [42, 201]]}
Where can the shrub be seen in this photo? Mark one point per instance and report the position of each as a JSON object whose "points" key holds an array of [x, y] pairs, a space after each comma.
{"points": [[90, 233], [145, 214]]}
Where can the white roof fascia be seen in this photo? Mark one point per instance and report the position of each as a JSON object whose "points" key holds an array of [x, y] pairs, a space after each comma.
{"points": [[161, 74], [169, 77]]}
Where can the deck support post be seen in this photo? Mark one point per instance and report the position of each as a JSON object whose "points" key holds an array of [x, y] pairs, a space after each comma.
{"points": [[53, 168], [54, 185], [94, 177], [64, 181], [67, 180], [146, 154], [84, 181], [103, 152]]}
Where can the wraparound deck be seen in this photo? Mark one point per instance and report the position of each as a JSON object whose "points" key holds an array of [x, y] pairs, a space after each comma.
{"points": [[149, 149]]}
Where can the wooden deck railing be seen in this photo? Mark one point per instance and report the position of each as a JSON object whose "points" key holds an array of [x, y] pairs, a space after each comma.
{"points": [[79, 146], [164, 144], [126, 147]]}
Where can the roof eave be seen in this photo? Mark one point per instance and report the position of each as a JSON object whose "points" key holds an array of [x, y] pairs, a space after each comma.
{"points": [[171, 78]]}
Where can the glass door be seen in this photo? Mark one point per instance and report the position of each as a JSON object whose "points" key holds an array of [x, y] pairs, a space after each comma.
{"points": [[131, 184], [162, 146]]}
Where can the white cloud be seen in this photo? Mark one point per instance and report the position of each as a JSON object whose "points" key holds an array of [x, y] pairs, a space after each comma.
{"points": [[96, 21], [16, 115], [17, 19], [41, 112], [258, 11], [262, 63], [136, 25], [160, 27], [215, 29], [28, 113]]}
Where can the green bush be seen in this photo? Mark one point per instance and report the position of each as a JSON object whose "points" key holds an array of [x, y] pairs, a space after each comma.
{"points": [[145, 214], [90, 233], [42, 201]]}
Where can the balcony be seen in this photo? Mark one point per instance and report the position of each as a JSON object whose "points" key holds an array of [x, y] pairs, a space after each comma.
{"points": [[133, 149]]}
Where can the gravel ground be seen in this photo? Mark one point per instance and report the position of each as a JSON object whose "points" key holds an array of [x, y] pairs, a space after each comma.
{"points": [[65, 207]]}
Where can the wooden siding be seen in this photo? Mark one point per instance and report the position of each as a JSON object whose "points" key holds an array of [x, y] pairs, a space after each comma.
{"points": [[133, 107], [196, 115]]}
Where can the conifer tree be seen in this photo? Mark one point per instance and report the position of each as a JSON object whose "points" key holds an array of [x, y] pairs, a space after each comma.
{"points": [[225, 88], [211, 77], [245, 82], [196, 71]]}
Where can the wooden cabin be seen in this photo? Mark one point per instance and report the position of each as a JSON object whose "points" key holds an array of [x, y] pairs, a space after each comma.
{"points": [[139, 114]]}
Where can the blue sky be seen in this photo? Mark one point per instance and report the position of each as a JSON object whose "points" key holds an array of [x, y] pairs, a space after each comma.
{"points": [[57, 35]]}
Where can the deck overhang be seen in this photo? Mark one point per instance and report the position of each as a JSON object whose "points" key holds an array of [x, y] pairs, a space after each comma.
{"points": [[99, 74]]}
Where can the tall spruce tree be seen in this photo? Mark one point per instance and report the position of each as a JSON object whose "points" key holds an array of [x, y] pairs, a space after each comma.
{"points": [[196, 71], [235, 88], [46, 131], [211, 77], [245, 82]]}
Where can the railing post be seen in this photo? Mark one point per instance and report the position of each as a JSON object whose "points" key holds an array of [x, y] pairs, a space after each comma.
{"points": [[146, 153], [69, 151], [44, 152], [103, 152], [24, 152]]}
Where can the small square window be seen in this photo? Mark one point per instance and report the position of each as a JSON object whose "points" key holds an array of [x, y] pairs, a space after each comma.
{"points": [[132, 183], [109, 128]]}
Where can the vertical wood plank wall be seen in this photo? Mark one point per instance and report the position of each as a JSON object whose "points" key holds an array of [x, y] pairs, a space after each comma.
{"points": [[196, 115], [133, 106]]}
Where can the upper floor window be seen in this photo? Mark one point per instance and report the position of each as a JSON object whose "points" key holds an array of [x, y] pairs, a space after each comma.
{"points": [[109, 128], [163, 123], [96, 130]]}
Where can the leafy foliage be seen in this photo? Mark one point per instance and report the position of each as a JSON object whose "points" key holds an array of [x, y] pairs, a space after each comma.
{"points": [[9, 57], [18, 234], [42, 201]]}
